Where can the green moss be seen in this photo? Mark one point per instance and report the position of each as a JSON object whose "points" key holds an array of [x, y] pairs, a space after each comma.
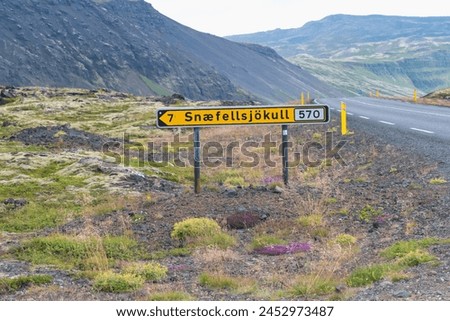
{"points": [[402, 254], [402, 248], [368, 275], [9, 285], [117, 283], [149, 271]]}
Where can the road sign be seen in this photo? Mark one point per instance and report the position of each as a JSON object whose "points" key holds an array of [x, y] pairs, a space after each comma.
{"points": [[223, 116]]}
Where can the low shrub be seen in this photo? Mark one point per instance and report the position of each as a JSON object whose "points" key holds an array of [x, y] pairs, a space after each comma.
{"points": [[197, 232], [194, 227]]}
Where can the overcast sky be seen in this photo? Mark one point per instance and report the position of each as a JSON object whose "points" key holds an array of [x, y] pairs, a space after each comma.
{"points": [[229, 17]]}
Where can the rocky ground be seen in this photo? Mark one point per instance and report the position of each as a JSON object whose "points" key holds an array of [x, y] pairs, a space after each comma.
{"points": [[54, 164]]}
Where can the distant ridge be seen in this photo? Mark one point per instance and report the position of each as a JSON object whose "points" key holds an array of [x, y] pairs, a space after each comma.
{"points": [[361, 53]]}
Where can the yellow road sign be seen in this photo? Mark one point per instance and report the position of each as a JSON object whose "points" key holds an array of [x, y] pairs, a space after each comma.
{"points": [[223, 116]]}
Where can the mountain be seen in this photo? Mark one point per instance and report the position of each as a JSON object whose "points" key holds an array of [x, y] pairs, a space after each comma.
{"points": [[363, 53], [127, 45]]}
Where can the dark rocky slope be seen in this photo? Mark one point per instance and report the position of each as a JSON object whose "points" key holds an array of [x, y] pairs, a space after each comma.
{"points": [[128, 46]]}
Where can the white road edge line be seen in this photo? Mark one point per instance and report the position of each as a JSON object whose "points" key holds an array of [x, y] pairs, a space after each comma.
{"points": [[351, 114], [422, 130], [364, 117], [386, 122]]}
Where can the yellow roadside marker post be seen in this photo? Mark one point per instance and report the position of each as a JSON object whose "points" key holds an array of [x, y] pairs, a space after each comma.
{"points": [[415, 95], [378, 94], [302, 99], [343, 118]]}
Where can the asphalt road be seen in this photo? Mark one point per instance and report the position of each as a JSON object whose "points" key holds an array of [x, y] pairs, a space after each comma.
{"points": [[418, 128]]}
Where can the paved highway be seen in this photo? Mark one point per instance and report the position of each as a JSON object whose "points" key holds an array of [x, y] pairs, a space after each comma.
{"points": [[420, 128]]}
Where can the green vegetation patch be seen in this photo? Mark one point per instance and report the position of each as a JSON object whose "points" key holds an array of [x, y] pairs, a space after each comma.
{"points": [[9, 285], [261, 241], [198, 232], [31, 217], [403, 248], [368, 213], [171, 296], [218, 281], [345, 240], [117, 283], [156, 88], [438, 181], [312, 220], [402, 255], [149, 271], [368, 275], [313, 285], [70, 252]]}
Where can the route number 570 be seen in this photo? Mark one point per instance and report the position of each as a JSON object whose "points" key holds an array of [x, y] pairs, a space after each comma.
{"points": [[309, 114]]}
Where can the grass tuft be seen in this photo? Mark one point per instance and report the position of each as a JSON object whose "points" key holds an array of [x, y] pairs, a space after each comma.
{"points": [[117, 283], [199, 232], [171, 296], [345, 240], [367, 275], [312, 285], [218, 281], [9, 285], [149, 271], [438, 181]]}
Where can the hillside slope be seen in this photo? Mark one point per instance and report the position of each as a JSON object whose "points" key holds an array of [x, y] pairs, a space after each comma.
{"points": [[128, 46], [391, 53]]}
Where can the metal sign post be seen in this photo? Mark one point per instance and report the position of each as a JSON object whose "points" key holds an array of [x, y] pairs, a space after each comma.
{"points": [[197, 160], [285, 159]]}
